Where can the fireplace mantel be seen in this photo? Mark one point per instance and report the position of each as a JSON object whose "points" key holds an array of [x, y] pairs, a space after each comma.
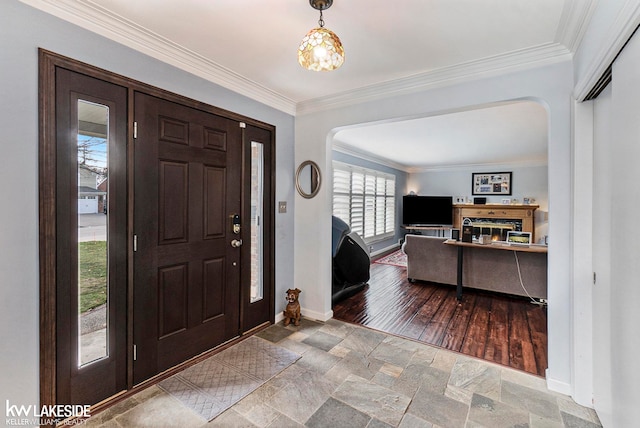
{"points": [[522, 213]]}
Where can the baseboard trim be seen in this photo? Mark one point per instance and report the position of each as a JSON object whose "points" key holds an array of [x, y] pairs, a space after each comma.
{"points": [[307, 313], [557, 386], [318, 316], [384, 251]]}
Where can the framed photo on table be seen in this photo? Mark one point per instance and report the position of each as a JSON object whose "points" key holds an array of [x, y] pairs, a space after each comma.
{"points": [[491, 183]]}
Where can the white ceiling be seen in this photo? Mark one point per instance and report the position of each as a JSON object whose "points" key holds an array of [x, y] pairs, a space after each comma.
{"points": [[504, 134], [383, 40], [250, 47]]}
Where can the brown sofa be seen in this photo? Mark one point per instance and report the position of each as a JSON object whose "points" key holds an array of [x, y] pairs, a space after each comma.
{"points": [[429, 259]]}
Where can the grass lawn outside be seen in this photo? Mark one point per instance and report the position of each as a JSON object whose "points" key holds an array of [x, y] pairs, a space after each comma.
{"points": [[92, 260]]}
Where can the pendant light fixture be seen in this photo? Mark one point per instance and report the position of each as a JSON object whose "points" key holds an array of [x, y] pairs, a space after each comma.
{"points": [[320, 49]]}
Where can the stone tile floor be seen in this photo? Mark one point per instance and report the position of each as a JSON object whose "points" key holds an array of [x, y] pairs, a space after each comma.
{"points": [[350, 376]]}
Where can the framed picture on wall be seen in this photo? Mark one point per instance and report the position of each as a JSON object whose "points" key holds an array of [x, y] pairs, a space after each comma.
{"points": [[491, 183]]}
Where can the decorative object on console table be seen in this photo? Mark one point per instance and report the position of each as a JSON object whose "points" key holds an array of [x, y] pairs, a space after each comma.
{"points": [[491, 183], [467, 233], [467, 230], [455, 234]]}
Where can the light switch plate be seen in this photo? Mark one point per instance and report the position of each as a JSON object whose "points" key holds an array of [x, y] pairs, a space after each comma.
{"points": [[282, 207]]}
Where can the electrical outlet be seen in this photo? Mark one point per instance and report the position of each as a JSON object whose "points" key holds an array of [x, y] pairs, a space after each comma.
{"points": [[282, 207]]}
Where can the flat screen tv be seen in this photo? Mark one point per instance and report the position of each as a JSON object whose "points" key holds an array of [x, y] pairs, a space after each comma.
{"points": [[427, 210]]}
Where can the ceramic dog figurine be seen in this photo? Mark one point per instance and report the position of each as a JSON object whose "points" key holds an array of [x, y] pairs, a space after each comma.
{"points": [[292, 311]]}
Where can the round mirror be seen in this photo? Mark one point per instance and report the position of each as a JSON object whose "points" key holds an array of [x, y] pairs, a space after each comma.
{"points": [[308, 179]]}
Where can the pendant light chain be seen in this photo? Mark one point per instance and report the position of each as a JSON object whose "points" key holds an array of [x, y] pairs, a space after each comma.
{"points": [[321, 21]]}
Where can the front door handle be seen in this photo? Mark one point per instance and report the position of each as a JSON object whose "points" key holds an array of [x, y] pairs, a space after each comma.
{"points": [[236, 243]]}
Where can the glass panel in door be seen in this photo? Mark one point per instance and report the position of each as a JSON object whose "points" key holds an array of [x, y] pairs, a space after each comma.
{"points": [[257, 211], [93, 213]]}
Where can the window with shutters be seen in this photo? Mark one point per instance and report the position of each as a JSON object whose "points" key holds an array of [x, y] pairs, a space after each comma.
{"points": [[365, 199]]}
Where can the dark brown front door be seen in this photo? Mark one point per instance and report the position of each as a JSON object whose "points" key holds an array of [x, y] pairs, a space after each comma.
{"points": [[188, 188], [137, 268]]}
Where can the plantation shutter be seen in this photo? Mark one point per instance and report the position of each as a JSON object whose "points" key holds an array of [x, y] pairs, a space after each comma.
{"points": [[365, 200]]}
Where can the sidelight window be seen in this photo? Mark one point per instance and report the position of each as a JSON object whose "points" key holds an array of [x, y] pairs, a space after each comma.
{"points": [[257, 214], [92, 161]]}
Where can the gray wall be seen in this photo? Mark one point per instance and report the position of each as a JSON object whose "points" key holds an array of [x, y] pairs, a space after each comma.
{"points": [[22, 31]]}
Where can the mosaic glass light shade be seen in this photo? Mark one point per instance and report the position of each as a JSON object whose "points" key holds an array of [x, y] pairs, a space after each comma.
{"points": [[320, 50]]}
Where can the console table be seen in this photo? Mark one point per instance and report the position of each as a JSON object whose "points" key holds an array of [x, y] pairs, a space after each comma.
{"points": [[495, 212], [493, 246]]}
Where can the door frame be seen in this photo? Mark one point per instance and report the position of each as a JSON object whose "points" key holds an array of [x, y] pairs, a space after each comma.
{"points": [[48, 62]]}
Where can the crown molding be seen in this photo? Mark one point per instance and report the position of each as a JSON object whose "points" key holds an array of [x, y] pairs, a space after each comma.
{"points": [[522, 59], [352, 151], [575, 18], [476, 166], [97, 19], [621, 30]]}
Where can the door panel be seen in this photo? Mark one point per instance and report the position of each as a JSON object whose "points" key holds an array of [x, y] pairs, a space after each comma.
{"points": [[212, 295], [214, 188], [172, 304], [91, 117], [172, 208], [186, 274]]}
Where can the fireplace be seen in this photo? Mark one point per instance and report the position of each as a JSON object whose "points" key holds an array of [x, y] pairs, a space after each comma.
{"points": [[497, 228], [495, 220]]}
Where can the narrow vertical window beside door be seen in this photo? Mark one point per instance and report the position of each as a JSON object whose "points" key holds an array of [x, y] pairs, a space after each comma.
{"points": [[93, 190], [257, 211]]}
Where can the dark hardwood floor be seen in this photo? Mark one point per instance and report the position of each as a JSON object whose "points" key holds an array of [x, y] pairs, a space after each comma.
{"points": [[506, 330]]}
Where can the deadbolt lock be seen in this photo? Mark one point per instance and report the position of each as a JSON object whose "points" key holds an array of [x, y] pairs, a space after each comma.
{"points": [[235, 224]]}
